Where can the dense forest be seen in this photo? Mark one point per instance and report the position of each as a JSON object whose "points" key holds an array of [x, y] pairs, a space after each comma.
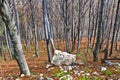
{"points": [[34, 30]]}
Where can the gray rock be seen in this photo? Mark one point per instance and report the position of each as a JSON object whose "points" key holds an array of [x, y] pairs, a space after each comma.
{"points": [[103, 68], [48, 65], [49, 69], [15, 79], [65, 71], [108, 62], [112, 63], [87, 74], [117, 64], [102, 76], [79, 62], [60, 58], [47, 78], [82, 72], [67, 77], [22, 75], [68, 68], [76, 72], [95, 73], [61, 68], [40, 77]]}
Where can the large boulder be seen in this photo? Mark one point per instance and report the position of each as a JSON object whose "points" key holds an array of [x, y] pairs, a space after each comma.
{"points": [[60, 58]]}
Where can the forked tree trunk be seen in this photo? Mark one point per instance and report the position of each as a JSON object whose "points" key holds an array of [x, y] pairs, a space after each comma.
{"points": [[14, 36], [48, 35]]}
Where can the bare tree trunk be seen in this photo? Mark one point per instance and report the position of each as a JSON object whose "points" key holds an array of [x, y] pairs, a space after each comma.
{"points": [[3, 52], [79, 26], [114, 30], [67, 29], [34, 28], [47, 31], [116, 39], [16, 15], [9, 46], [15, 37], [110, 29], [96, 23], [89, 28], [95, 52], [72, 29]]}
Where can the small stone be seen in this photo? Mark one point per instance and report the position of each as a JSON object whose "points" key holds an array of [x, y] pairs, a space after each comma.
{"points": [[47, 78], [41, 75], [102, 76], [80, 62], [76, 72], [65, 71], [50, 68], [22, 75], [33, 55], [48, 65], [95, 73], [40, 78], [103, 68], [108, 62], [117, 64], [68, 68], [61, 68], [17, 79], [67, 77], [82, 71], [87, 74]]}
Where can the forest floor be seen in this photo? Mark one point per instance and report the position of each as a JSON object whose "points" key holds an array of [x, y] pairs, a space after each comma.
{"points": [[9, 70]]}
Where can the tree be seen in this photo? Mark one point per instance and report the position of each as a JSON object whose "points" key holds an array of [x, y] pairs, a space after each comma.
{"points": [[47, 31], [115, 26], [95, 52], [14, 36], [66, 27], [79, 26], [34, 28]]}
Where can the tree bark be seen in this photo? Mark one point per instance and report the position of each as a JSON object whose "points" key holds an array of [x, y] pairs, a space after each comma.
{"points": [[67, 29], [95, 52], [34, 28], [79, 26], [47, 31], [114, 30], [14, 36]]}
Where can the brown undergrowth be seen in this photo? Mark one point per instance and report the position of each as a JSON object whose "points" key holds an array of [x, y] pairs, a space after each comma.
{"points": [[10, 70]]}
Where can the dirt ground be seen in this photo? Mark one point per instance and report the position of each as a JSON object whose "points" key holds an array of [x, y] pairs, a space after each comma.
{"points": [[9, 70]]}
